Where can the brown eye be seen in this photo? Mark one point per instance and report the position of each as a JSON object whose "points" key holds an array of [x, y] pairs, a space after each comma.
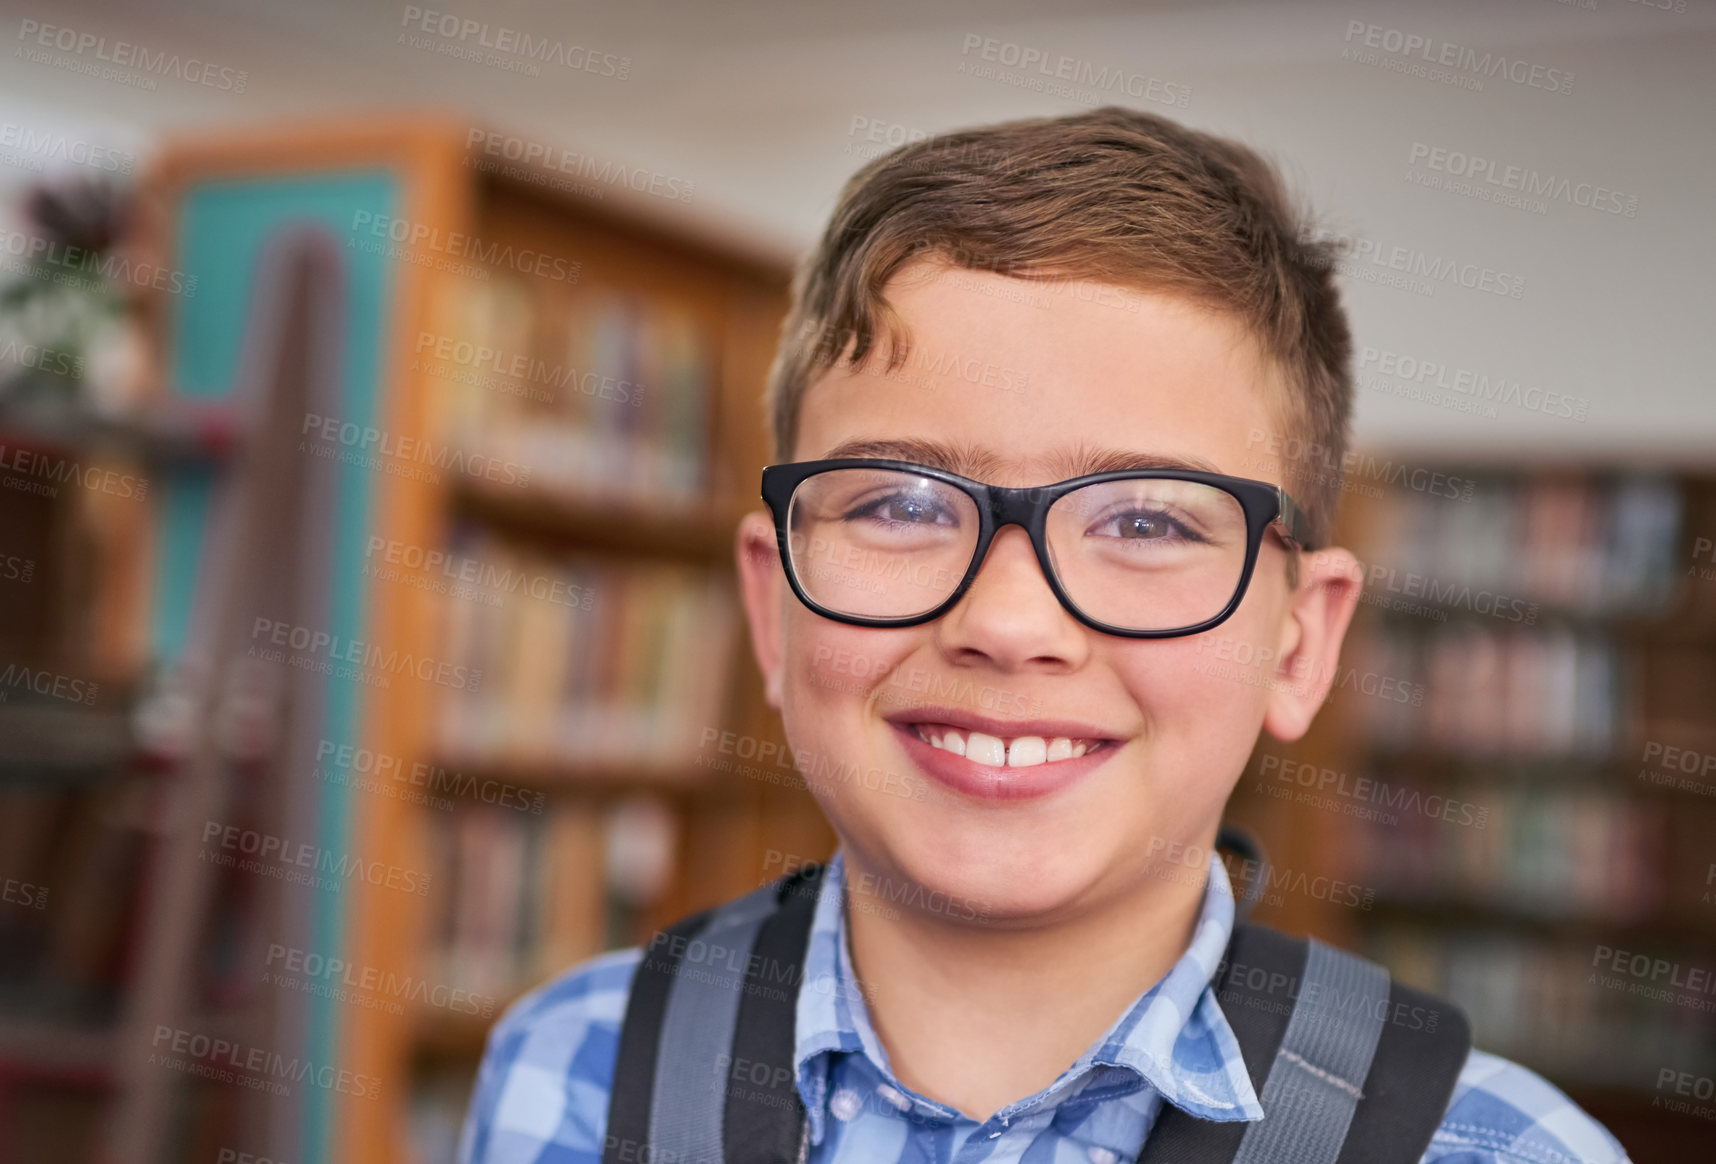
{"points": [[1144, 526]]}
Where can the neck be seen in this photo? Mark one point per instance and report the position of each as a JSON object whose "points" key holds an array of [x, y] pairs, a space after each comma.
{"points": [[979, 1015]]}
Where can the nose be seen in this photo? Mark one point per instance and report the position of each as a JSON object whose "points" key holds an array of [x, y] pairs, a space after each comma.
{"points": [[1010, 616]]}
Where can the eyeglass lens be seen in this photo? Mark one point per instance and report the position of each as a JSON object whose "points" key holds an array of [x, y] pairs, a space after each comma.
{"points": [[1145, 553]]}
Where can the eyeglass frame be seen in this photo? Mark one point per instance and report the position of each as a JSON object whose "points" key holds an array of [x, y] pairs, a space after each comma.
{"points": [[1265, 506]]}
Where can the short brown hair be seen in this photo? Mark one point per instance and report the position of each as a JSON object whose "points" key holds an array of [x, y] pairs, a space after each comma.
{"points": [[1112, 195]]}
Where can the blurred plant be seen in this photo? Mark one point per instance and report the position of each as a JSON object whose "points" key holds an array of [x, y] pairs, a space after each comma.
{"points": [[58, 309]]}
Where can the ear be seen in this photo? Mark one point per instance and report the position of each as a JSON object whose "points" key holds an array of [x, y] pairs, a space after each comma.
{"points": [[1318, 613], [761, 583]]}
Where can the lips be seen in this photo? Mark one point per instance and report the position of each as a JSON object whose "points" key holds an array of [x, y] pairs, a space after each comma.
{"points": [[999, 751], [1000, 759]]}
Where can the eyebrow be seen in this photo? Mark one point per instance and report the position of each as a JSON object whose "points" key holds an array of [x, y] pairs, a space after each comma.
{"points": [[983, 464]]}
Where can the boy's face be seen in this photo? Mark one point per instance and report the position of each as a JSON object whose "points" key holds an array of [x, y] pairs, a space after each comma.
{"points": [[1030, 379]]}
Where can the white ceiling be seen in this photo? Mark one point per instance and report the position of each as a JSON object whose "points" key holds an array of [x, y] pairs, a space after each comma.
{"points": [[755, 103]]}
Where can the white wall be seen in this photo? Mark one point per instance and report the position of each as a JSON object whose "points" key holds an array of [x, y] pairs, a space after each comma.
{"points": [[757, 107]]}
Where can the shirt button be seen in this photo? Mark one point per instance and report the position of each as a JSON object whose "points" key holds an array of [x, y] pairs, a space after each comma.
{"points": [[894, 1096], [844, 1104], [1100, 1155]]}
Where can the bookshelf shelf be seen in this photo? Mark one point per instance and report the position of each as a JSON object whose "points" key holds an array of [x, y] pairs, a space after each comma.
{"points": [[599, 524], [456, 1038], [175, 432], [571, 779], [40, 743], [1476, 774], [34, 1047], [1479, 916]]}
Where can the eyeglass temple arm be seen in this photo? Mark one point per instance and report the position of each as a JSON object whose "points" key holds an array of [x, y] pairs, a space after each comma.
{"points": [[1293, 521]]}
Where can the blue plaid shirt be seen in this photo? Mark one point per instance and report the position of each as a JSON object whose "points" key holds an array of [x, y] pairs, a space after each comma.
{"points": [[542, 1091]]}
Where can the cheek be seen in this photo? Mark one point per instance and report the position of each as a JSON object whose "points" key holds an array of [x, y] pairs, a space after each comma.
{"points": [[838, 681], [828, 662], [837, 677], [1201, 695]]}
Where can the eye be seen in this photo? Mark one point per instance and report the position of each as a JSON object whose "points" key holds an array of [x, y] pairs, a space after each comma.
{"points": [[1143, 525], [1153, 525], [903, 509]]}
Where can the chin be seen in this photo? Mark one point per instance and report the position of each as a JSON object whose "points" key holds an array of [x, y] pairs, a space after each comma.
{"points": [[969, 870]]}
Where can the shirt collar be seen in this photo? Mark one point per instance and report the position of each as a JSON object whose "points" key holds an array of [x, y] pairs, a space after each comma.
{"points": [[1173, 1035]]}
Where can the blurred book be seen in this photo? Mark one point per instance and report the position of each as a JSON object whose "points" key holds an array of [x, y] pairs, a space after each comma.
{"points": [[1571, 543], [520, 895], [1561, 1007], [603, 395], [1532, 850], [574, 662]]}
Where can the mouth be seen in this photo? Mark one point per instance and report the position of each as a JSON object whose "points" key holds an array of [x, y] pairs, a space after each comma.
{"points": [[1006, 751], [980, 758]]}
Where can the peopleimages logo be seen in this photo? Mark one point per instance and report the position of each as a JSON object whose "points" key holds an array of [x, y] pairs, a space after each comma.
{"points": [[354, 444], [1458, 58], [76, 266], [456, 244], [1685, 1083], [1479, 386], [51, 684], [482, 576], [1260, 665], [57, 147], [276, 855], [1299, 458], [327, 653], [1382, 581], [521, 366], [1411, 268], [24, 893], [34, 35], [1368, 790], [1654, 978], [229, 1062], [530, 155], [1682, 768], [812, 767], [417, 773], [1489, 174], [313, 973], [512, 50], [1059, 75]]}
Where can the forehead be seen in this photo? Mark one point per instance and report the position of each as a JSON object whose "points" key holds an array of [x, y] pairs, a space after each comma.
{"points": [[983, 463], [1012, 380]]}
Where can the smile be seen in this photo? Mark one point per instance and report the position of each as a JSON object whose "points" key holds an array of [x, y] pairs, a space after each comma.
{"points": [[1000, 752], [989, 765]]}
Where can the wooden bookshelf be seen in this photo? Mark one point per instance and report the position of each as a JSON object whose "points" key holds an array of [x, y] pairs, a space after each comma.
{"points": [[701, 536], [694, 324], [74, 826], [1577, 852]]}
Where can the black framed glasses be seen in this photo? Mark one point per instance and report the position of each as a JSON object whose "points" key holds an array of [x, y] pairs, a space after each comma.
{"points": [[1143, 553]]}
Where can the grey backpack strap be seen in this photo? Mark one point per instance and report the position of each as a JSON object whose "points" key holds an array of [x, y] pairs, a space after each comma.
{"points": [[709, 989], [1424, 1045], [1318, 1075], [1350, 1068], [697, 1028]]}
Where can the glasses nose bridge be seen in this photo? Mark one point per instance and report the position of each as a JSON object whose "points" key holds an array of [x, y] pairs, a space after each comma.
{"points": [[1013, 507]]}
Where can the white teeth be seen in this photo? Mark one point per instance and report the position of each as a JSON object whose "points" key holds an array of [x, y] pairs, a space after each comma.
{"points": [[1021, 752], [1029, 751], [985, 749]]}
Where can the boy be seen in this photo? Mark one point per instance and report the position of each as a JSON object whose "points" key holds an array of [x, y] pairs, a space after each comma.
{"points": [[1010, 957]]}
